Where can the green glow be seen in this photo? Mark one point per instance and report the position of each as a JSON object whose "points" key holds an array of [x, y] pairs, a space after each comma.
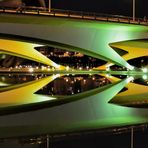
{"points": [[89, 110], [145, 77], [92, 37]]}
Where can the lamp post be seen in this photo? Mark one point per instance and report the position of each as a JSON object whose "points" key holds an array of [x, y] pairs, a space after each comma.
{"points": [[134, 3], [49, 6]]}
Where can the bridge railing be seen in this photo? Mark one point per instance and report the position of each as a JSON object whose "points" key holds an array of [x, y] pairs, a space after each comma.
{"points": [[99, 16], [73, 14]]}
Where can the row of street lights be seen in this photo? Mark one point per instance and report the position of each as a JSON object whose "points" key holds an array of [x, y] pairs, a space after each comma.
{"points": [[134, 4]]}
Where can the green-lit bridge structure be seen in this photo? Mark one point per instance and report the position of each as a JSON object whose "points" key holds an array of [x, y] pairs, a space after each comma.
{"points": [[91, 110]]}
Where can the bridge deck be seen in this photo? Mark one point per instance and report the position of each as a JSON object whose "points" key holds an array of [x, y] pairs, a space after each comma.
{"points": [[74, 14]]}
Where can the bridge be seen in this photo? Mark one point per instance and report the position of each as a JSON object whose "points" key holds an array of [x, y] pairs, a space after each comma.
{"points": [[102, 37], [74, 33]]}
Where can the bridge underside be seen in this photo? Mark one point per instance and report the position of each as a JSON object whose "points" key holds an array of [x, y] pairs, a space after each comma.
{"points": [[89, 37]]}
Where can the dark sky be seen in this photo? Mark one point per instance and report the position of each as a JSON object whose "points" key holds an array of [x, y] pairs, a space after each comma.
{"points": [[123, 7], [118, 7]]}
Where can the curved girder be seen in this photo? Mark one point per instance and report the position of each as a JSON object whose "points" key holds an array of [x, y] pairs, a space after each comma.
{"points": [[25, 50], [135, 48], [49, 43]]}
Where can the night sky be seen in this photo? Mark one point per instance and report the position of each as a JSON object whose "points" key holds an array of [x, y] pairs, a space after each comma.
{"points": [[117, 7]]}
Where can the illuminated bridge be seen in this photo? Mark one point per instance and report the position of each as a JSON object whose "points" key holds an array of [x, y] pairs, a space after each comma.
{"points": [[112, 39]]}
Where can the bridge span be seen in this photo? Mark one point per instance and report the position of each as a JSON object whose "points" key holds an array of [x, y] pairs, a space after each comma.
{"points": [[82, 33]]}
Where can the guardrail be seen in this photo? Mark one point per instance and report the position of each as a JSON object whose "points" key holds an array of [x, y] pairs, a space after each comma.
{"points": [[73, 14]]}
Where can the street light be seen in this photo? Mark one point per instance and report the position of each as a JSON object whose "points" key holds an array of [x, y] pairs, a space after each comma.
{"points": [[134, 3], [49, 6]]}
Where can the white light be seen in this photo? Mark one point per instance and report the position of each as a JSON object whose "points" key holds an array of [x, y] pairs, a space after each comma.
{"points": [[129, 79], [3, 84], [108, 75], [132, 68], [129, 67], [57, 66], [67, 68], [43, 68], [56, 76], [110, 64], [144, 77], [30, 69], [145, 70], [93, 78], [107, 68]]}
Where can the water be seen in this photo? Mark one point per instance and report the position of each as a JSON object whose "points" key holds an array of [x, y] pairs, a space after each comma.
{"points": [[34, 82]]}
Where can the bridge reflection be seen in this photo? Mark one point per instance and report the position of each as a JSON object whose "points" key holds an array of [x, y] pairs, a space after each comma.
{"points": [[17, 95]]}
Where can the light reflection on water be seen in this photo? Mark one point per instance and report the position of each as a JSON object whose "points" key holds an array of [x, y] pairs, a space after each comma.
{"points": [[69, 85], [12, 79], [36, 88], [65, 85]]}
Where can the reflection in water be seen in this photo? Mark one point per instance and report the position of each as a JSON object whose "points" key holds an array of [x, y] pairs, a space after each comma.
{"points": [[73, 84], [11, 79], [23, 88], [24, 93], [19, 89], [135, 96], [141, 79], [23, 81]]}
